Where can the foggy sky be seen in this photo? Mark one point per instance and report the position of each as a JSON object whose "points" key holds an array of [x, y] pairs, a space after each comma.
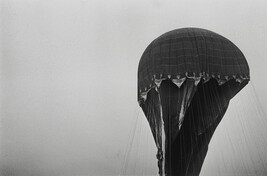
{"points": [[69, 82]]}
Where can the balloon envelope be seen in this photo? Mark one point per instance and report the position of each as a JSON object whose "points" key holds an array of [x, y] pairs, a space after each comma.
{"points": [[186, 78]]}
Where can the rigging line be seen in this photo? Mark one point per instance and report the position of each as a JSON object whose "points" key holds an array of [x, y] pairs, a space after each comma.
{"points": [[257, 111], [247, 143], [146, 152], [242, 130], [234, 146], [244, 165], [258, 138], [128, 148], [255, 136], [248, 135], [258, 100], [244, 136], [136, 152], [254, 109], [150, 146], [260, 119], [139, 150], [224, 161], [144, 148], [215, 93], [258, 108]]}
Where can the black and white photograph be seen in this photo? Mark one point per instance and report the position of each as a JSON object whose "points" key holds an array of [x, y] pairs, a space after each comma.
{"points": [[133, 88]]}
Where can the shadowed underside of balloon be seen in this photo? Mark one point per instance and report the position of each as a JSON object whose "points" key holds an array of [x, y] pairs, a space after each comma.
{"points": [[186, 79]]}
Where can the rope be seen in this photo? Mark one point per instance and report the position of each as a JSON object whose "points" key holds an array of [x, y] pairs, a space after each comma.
{"points": [[129, 146]]}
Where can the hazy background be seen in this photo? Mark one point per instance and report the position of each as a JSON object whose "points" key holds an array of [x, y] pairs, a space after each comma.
{"points": [[68, 85]]}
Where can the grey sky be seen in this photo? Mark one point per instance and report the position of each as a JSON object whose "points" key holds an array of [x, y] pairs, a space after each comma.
{"points": [[68, 83]]}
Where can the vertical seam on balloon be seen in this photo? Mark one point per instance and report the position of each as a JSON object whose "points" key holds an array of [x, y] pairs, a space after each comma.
{"points": [[203, 55], [212, 45], [236, 60], [185, 65], [206, 54], [198, 56], [223, 57]]}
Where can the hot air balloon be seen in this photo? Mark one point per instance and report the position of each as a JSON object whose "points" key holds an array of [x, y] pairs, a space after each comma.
{"points": [[186, 79]]}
